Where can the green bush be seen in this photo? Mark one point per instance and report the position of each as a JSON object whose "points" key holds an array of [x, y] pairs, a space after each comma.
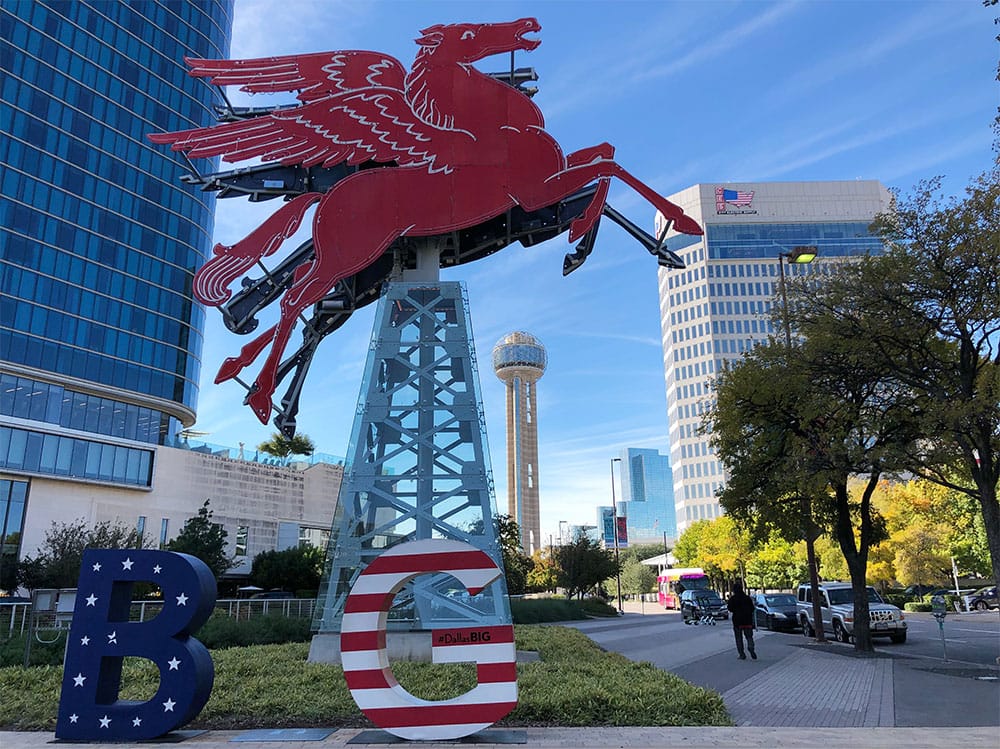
{"points": [[538, 610], [917, 606], [598, 607], [574, 684], [42, 653], [222, 631], [897, 599]]}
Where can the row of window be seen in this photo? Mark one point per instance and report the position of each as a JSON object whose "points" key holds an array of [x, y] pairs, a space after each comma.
{"points": [[166, 210], [55, 455], [60, 358], [131, 60], [131, 305], [53, 325], [689, 314], [115, 272], [50, 94], [23, 398], [702, 511], [736, 326], [703, 469], [751, 240]]}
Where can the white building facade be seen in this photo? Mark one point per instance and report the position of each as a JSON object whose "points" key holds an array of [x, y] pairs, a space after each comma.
{"points": [[719, 306]]}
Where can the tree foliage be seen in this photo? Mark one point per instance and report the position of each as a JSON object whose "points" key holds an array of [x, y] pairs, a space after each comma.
{"points": [[281, 446], [544, 574], [802, 422], [297, 568], [638, 578], [202, 538], [583, 565], [57, 561], [925, 315]]}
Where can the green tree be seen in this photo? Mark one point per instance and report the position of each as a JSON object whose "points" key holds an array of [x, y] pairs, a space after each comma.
{"points": [[639, 552], [638, 578], [516, 563], [806, 421], [583, 565], [57, 562], [776, 563], [284, 447], [202, 538], [544, 574], [926, 314], [297, 568]]}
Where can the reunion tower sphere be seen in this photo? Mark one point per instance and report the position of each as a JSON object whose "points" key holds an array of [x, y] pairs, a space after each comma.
{"points": [[519, 360], [517, 352]]}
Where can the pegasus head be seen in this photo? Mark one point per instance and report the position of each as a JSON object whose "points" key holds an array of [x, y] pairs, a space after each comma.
{"points": [[468, 42]]}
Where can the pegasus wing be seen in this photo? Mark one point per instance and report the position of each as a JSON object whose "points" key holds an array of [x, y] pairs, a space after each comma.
{"points": [[375, 124], [313, 76]]}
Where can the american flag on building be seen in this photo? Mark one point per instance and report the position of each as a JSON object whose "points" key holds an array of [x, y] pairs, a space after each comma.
{"points": [[736, 198]]}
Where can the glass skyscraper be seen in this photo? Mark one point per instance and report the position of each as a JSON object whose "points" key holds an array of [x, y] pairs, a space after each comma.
{"points": [[719, 306], [647, 496], [100, 338]]}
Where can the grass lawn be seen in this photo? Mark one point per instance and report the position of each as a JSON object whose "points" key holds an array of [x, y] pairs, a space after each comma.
{"points": [[574, 684]]}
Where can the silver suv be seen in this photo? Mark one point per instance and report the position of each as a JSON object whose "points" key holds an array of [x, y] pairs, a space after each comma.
{"points": [[836, 601]]}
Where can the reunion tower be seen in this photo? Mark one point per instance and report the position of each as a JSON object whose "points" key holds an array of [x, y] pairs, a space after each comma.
{"points": [[519, 360]]}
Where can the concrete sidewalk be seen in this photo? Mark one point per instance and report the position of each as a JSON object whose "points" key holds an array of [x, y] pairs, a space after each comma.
{"points": [[624, 738]]}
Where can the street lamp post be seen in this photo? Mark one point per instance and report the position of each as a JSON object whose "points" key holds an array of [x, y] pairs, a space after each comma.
{"points": [[803, 255], [614, 514]]}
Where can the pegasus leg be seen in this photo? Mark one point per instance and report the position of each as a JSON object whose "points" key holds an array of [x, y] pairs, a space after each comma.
{"points": [[557, 186], [354, 223], [228, 262], [582, 224]]}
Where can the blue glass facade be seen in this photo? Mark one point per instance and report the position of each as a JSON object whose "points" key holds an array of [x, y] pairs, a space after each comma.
{"points": [[99, 241], [647, 495]]}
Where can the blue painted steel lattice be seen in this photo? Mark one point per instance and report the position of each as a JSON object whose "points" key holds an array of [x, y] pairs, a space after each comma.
{"points": [[417, 464]]}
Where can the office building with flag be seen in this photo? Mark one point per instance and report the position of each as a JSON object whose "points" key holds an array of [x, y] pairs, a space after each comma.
{"points": [[719, 306]]}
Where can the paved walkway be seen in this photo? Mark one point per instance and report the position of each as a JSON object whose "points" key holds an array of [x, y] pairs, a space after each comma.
{"points": [[855, 692], [624, 738]]}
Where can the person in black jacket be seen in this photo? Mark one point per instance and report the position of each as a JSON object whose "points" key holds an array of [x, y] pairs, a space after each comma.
{"points": [[741, 606]]}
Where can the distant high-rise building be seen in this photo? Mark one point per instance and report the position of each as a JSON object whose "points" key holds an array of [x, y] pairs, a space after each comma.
{"points": [[647, 500], [718, 307], [100, 338], [519, 360]]}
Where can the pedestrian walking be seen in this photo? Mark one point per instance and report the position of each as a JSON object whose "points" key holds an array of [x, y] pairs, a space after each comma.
{"points": [[741, 607]]}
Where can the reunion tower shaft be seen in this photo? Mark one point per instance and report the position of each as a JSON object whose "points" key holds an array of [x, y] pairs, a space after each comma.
{"points": [[519, 360]]}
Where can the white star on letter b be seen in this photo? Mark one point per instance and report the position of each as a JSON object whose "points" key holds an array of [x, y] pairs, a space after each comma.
{"points": [[182, 600], [168, 706]]}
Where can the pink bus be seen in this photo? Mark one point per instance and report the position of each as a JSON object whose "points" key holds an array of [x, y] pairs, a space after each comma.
{"points": [[672, 582]]}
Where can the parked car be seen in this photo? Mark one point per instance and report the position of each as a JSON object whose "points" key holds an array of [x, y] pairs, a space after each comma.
{"points": [[982, 599], [699, 603], [775, 611], [837, 611]]}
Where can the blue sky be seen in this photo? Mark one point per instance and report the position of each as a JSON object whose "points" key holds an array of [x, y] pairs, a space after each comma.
{"points": [[687, 92]]}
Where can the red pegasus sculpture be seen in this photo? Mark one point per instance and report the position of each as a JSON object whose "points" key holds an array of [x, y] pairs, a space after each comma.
{"points": [[463, 147]]}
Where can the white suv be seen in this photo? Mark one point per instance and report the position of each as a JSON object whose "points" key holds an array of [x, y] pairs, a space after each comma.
{"points": [[836, 601]]}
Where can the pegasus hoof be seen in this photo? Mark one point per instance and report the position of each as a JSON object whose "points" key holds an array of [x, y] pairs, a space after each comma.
{"points": [[260, 403], [572, 261], [229, 369]]}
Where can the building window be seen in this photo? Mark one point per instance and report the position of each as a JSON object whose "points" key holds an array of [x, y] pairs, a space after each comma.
{"points": [[164, 525], [13, 503], [242, 532], [140, 528]]}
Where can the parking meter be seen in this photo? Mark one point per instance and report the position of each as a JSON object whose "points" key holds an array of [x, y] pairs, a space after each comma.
{"points": [[940, 611]]}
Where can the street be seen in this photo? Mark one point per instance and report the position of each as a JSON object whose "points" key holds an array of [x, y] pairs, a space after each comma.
{"points": [[922, 688]]}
